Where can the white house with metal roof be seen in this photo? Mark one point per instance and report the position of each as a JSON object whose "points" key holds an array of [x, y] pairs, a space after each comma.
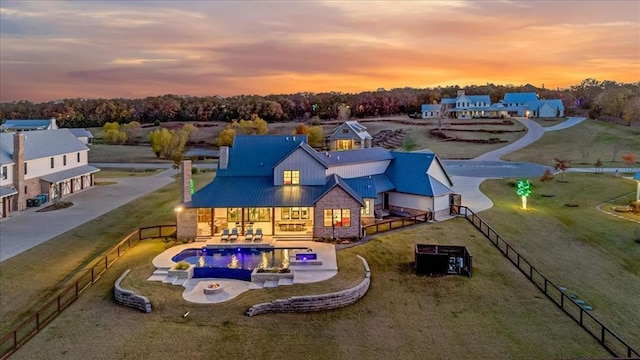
{"points": [[283, 186], [350, 135], [51, 162], [432, 111]]}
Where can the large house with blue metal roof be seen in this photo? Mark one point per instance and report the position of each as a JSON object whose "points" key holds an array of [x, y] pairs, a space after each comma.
{"points": [[280, 184], [50, 162], [28, 125]]}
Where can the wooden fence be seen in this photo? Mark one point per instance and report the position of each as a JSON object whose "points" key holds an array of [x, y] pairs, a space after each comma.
{"points": [[28, 328], [393, 224], [613, 343]]}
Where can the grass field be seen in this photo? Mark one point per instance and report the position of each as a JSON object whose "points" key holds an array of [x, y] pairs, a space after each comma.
{"points": [[494, 314], [108, 173], [60, 258], [596, 139], [591, 253]]}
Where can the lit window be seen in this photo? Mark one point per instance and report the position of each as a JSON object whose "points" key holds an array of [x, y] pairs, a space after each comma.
{"points": [[291, 177], [234, 215], [367, 207], [258, 214], [337, 217], [295, 213]]}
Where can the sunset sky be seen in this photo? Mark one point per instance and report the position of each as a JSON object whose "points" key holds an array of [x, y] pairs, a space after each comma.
{"points": [[62, 49]]}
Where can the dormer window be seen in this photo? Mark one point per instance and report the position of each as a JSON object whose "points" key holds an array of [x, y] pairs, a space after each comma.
{"points": [[291, 177]]}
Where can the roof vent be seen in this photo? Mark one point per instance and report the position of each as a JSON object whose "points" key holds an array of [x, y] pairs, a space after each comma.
{"points": [[294, 138], [338, 158], [326, 153], [286, 138]]}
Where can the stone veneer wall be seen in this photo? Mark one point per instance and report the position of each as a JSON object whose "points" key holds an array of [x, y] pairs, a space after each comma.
{"points": [[337, 199], [187, 221], [319, 302], [130, 298]]}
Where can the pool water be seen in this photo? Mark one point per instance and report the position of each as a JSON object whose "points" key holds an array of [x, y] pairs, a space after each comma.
{"points": [[236, 263]]}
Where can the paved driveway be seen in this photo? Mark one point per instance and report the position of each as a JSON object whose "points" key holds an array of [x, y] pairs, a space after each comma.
{"points": [[25, 230]]}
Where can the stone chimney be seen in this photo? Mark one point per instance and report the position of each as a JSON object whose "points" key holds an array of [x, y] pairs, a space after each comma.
{"points": [[223, 158], [186, 181], [460, 92], [18, 171]]}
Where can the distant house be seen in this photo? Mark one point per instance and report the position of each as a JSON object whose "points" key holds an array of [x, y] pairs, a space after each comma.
{"points": [[471, 106], [431, 111], [28, 125], [350, 135], [516, 103], [283, 186], [546, 108], [83, 135], [51, 162]]}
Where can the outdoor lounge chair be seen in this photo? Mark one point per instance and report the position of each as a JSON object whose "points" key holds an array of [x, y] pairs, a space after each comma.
{"points": [[234, 235], [249, 235], [225, 235], [258, 236]]}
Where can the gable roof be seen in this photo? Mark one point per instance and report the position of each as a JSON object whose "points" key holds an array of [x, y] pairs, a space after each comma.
{"points": [[637, 177], [554, 103], [448, 101], [480, 98], [430, 107], [408, 171], [356, 156], [309, 150], [364, 186], [519, 98], [355, 128], [334, 180], [40, 144], [255, 155], [81, 132], [28, 124]]}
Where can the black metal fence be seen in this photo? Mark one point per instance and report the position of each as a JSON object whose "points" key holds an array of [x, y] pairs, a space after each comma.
{"points": [[28, 328], [607, 338], [387, 225]]}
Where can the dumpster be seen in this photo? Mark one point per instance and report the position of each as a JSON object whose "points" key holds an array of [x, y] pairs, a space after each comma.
{"points": [[43, 198], [36, 201], [29, 202]]}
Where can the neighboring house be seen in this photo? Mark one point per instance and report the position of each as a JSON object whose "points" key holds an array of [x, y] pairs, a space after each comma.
{"points": [[471, 106], [282, 185], [350, 135], [546, 108], [28, 125], [83, 135], [433, 111], [51, 162], [517, 104]]}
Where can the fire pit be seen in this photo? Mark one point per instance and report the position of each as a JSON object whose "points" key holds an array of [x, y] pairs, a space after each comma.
{"points": [[212, 288]]}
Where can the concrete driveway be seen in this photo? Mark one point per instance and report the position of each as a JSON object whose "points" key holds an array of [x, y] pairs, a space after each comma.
{"points": [[30, 228]]}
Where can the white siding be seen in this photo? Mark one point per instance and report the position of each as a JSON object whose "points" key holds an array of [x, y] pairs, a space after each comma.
{"points": [[9, 179], [441, 203], [42, 166], [349, 171], [311, 172], [437, 172], [418, 202]]}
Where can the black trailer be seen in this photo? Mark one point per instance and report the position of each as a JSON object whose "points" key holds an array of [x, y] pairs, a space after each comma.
{"points": [[438, 260]]}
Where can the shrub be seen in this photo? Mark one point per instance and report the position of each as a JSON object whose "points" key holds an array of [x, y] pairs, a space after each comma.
{"points": [[194, 170], [181, 265]]}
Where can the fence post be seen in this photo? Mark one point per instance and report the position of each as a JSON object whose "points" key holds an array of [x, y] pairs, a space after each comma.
{"points": [[518, 260], [58, 303], [92, 277], [76, 289], [106, 261], [562, 304], [581, 311], [602, 336], [118, 251], [38, 320], [545, 291]]}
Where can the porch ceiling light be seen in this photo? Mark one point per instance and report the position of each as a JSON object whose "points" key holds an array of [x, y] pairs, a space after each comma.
{"points": [[178, 209]]}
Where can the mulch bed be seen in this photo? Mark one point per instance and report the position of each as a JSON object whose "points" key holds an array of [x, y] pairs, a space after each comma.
{"points": [[57, 206]]}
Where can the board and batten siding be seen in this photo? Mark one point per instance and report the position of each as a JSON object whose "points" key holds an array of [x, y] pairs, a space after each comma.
{"points": [[349, 171], [410, 201], [311, 171]]}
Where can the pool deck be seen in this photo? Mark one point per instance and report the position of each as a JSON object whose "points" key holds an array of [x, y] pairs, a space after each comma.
{"points": [[194, 288]]}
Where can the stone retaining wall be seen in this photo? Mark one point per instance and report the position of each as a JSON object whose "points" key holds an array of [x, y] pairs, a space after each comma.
{"points": [[130, 298], [316, 302]]}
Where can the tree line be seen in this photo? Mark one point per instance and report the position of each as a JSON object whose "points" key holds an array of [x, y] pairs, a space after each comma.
{"points": [[597, 98]]}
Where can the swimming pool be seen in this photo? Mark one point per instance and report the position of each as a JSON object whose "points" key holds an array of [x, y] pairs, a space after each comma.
{"points": [[234, 263]]}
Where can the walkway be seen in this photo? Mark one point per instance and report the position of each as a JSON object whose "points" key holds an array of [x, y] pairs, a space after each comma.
{"points": [[24, 230]]}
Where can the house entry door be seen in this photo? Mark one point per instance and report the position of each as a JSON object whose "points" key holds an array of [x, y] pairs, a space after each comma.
{"points": [[385, 201]]}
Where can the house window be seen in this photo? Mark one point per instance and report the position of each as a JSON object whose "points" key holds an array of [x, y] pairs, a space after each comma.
{"points": [[258, 214], [234, 215], [64, 160], [295, 213], [25, 168], [367, 207], [337, 217], [52, 163], [25, 189], [291, 177], [4, 173], [78, 155], [345, 131]]}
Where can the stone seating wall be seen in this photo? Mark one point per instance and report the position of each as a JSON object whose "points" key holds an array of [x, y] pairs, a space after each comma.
{"points": [[130, 298]]}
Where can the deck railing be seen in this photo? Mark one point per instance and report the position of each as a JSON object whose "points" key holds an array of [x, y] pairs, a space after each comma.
{"points": [[28, 328], [613, 343], [387, 225]]}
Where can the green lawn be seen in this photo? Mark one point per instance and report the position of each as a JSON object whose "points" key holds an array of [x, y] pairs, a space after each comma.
{"points": [[64, 256], [108, 173], [590, 253], [595, 139], [494, 314]]}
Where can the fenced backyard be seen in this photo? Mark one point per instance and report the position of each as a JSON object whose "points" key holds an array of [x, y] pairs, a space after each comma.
{"points": [[613, 343], [12, 341]]}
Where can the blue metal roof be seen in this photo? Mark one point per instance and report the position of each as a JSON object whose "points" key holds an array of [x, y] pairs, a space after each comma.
{"points": [[480, 98], [309, 150], [81, 132], [255, 155], [637, 177], [430, 107], [408, 171], [253, 191], [335, 180], [448, 101], [519, 98], [364, 186]]}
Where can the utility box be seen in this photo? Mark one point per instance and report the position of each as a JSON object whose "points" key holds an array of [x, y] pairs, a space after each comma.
{"points": [[439, 260]]}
